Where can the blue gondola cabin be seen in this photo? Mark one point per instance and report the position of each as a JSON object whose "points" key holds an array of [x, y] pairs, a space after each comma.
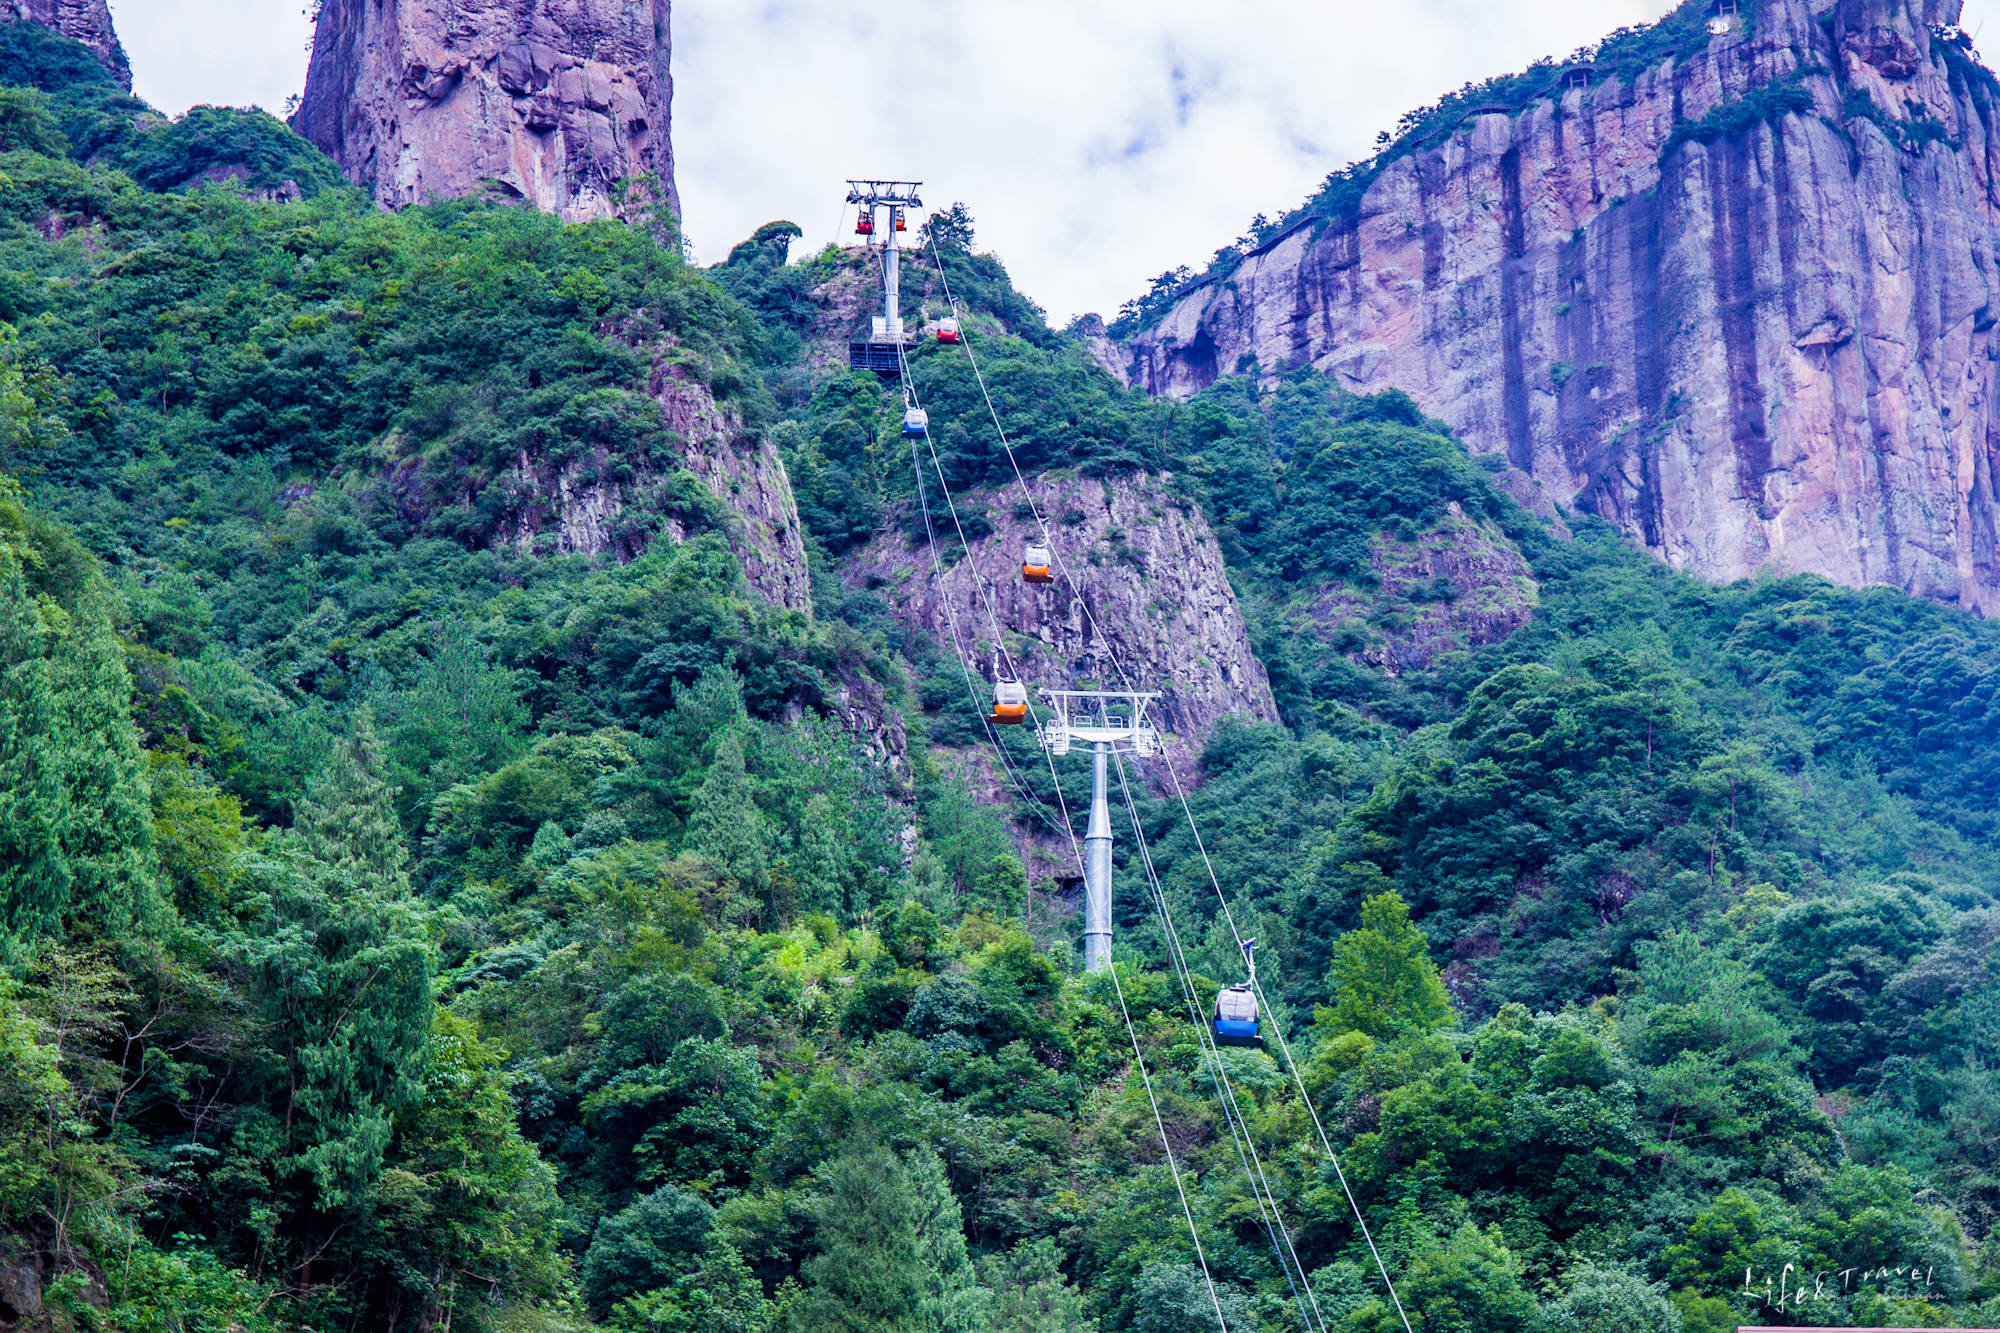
{"points": [[1236, 1018]]}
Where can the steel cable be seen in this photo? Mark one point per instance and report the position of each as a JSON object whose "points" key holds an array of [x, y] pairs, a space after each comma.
{"points": [[1118, 989], [1180, 791]]}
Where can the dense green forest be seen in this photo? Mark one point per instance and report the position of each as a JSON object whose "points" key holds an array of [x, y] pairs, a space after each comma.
{"points": [[406, 925]]}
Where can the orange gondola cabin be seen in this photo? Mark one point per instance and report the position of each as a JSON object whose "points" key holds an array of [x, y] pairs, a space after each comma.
{"points": [[1010, 704], [1035, 564]]}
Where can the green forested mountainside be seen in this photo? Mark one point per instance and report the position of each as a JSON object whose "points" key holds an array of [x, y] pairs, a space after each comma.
{"points": [[401, 926]]}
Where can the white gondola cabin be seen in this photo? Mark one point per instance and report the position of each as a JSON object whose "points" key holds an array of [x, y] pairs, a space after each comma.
{"points": [[1236, 1017], [947, 332], [916, 424], [1035, 564], [1010, 704]]}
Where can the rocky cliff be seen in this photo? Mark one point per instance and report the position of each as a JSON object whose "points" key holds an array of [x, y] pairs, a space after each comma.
{"points": [[1154, 591], [1739, 301], [563, 103], [603, 503], [86, 21]]}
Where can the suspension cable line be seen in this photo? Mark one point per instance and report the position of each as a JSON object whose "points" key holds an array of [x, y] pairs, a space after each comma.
{"points": [[1252, 1165], [1118, 989], [1180, 791], [1015, 779], [1225, 1089], [1284, 1048]]}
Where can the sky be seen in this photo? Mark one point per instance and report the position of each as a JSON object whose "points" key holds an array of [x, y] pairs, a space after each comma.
{"points": [[1096, 142]]}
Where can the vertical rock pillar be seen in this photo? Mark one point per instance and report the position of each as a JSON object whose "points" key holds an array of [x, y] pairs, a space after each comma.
{"points": [[564, 104]]}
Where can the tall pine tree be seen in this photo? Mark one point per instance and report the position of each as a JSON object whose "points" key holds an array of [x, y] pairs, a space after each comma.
{"points": [[75, 818], [341, 973], [892, 1250], [869, 1274], [1383, 980], [725, 826]]}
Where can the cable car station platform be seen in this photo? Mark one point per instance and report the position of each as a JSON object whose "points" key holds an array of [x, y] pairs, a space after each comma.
{"points": [[884, 358]]}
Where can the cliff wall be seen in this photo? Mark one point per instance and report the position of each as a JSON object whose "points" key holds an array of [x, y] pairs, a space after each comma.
{"points": [[1741, 305], [86, 21], [1152, 579], [565, 103]]}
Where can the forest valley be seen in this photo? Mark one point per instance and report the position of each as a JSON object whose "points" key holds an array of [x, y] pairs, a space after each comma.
{"points": [[405, 927]]}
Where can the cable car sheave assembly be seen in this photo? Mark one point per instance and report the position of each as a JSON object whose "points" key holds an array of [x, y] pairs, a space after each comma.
{"points": [[1114, 724], [1106, 721]]}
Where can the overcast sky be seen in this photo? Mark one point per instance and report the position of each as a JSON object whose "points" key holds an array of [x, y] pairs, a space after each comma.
{"points": [[1097, 142]]}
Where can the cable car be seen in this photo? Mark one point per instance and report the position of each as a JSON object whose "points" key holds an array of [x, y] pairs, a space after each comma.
{"points": [[902, 223], [947, 331], [1235, 1016], [1010, 704], [1035, 564], [916, 424], [865, 225]]}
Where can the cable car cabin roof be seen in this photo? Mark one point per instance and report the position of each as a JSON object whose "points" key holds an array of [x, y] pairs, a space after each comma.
{"points": [[1238, 1004]]}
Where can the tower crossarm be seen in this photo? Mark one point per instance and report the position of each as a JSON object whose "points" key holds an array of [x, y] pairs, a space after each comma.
{"points": [[1115, 718], [876, 194]]}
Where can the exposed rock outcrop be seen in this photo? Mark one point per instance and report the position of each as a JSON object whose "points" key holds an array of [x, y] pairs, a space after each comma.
{"points": [[1461, 584], [1152, 579], [86, 21], [601, 503], [745, 472], [564, 103], [1097, 340], [1768, 343]]}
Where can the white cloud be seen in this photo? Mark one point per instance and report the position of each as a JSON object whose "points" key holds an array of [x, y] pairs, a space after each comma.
{"points": [[1098, 142], [220, 52]]}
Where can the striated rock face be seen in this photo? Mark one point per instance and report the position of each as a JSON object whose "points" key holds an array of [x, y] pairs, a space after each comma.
{"points": [[86, 21], [1772, 348], [564, 103], [1152, 579], [1103, 351]]}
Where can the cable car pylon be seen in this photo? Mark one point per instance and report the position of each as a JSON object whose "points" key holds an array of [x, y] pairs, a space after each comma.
{"points": [[883, 351], [1108, 721]]}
